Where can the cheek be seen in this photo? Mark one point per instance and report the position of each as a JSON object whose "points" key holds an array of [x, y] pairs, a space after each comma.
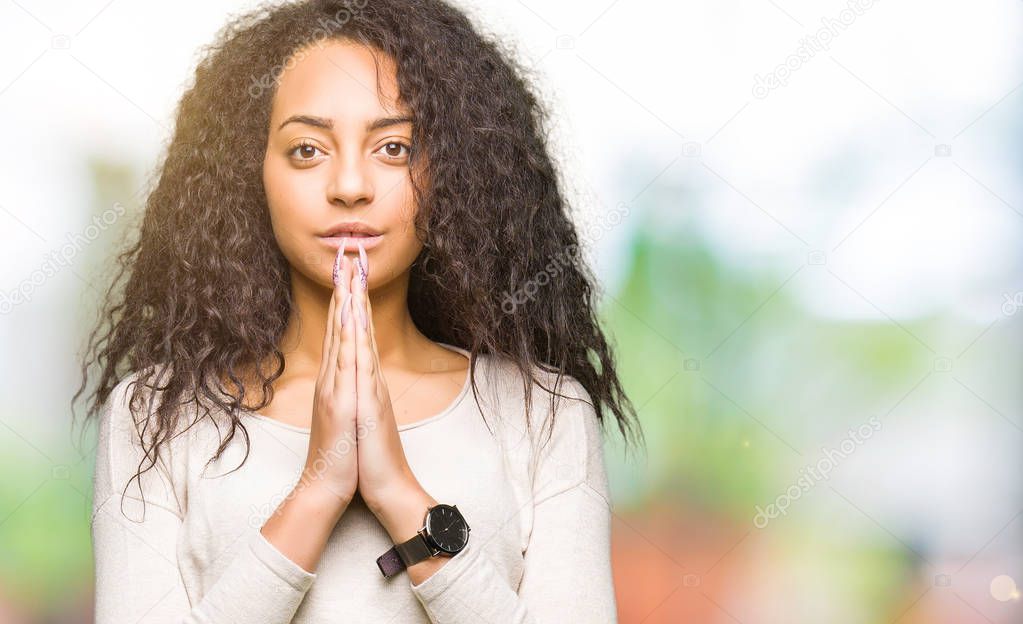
{"points": [[404, 245], [289, 201], [288, 195]]}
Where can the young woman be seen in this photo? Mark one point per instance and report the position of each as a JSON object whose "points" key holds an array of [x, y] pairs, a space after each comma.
{"points": [[356, 223]]}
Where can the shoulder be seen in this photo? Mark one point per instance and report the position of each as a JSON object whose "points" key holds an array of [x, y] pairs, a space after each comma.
{"points": [[120, 413], [550, 394], [125, 463], [566, 441], [132, 403]]}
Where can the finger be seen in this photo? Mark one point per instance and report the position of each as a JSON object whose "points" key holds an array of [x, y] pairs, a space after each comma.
{"points": [[381, 382], [365, 360], [381, 385], [330, 335], [345, 317], [335, 317], [364, 259], [369, 327], [327, 348], [345, 384]]}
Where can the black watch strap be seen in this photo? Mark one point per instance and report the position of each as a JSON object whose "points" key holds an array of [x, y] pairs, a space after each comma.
{"points": [[390, 563], [414, 550], [403, 555]]}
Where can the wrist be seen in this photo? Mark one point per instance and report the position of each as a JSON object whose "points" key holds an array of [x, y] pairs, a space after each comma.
{"points": [[403, 512], [319, 497]]}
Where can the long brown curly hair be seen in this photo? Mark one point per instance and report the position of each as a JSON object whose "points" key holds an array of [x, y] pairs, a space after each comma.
{"points": [[206, 290]]}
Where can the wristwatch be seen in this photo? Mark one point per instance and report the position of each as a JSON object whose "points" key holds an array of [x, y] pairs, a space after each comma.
{"points": [[445, 533]]}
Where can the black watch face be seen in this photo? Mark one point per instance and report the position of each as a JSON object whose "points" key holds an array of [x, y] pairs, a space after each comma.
{"points": [[447, 528]]}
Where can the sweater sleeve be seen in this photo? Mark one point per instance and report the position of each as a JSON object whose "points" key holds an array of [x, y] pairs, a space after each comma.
{"points": [[567, 569], [137, 577]]}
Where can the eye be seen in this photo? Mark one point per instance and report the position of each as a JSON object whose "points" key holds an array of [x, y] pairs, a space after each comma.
{"points": [[393, 150], [307, 151]]}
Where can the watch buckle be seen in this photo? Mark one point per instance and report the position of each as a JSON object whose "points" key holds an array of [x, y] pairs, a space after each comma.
{"points": [[434, 551]]}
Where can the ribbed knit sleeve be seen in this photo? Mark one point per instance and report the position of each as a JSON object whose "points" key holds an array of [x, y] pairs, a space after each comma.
{"points": [[567, 575], [137, 576]]}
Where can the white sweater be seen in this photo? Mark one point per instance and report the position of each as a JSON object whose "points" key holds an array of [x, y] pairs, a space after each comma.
{"points": [[540, 515]]}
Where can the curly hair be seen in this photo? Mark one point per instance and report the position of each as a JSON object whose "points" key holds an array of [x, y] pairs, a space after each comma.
{"points": [[206, 290]]}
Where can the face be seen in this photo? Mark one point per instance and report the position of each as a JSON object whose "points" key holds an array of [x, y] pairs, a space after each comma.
{"points": [[337, 159], [448, 528]]}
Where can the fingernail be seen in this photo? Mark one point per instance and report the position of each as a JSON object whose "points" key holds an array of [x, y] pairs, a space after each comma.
{"points": [[362, 316], [345, 308], [364, 262], [337, 261]]}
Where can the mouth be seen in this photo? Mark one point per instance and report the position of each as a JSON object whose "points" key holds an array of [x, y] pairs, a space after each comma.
{"points": [[350, 229], [352, 246], [356, 232], [358, 235]]}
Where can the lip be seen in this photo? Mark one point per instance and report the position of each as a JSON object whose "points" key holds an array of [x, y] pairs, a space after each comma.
{"points": [[339, 230], [368, 242]]}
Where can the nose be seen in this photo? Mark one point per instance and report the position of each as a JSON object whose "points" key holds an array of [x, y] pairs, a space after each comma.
{"points": [[350, 182]]}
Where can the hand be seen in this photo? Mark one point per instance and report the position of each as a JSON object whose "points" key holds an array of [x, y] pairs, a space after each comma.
{"points": [[386, 481], [332, 459]]}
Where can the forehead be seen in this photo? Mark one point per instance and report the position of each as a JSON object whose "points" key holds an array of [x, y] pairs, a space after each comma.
{"points": [[340, 80]]}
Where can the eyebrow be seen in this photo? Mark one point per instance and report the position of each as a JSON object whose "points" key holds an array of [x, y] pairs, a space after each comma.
{"points": [[328, 124]]}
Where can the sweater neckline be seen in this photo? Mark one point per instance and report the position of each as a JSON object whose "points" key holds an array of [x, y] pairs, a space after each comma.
{"points": [[403, 427]]}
